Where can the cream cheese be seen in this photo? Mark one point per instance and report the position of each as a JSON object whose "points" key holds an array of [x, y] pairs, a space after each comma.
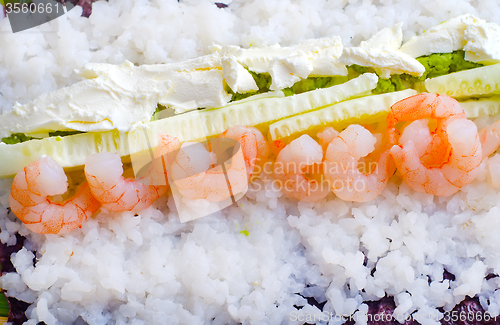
{"points": [[387, 38], [287, 71], [114, 100], [191, 84], [118, 96], [324, 54], [480, 40], [381, 52], [443, 38], [189, 90], [236, 76], [287, 65]]}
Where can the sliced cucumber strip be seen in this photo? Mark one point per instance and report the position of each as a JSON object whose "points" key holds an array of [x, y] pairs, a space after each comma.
{"points": [[363, 110], [266, 111], [68, 151], [71, 151], [481, 107], [467, 83], [270, 94]]}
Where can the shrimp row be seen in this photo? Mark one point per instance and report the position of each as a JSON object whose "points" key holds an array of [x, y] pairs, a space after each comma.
{"points": [[436, 150]]}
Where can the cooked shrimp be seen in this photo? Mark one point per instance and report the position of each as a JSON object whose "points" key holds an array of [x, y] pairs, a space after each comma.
{"points": [[195, 176], [438, 162], [30, 202], [163, 158], [326, 136], [298, 166], [490, 138], [116, 193], [253, 144], [342, 165], [276, 146], [104, 174]]}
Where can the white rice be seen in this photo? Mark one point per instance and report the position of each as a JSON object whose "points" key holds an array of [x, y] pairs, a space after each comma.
{"points": [[151, 269]]}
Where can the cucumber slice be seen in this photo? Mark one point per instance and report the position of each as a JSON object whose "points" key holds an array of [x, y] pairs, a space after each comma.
{"points": [[270, 94], [478, 81], [70, 151], [365, 110], [262, 112], [481, 107]]}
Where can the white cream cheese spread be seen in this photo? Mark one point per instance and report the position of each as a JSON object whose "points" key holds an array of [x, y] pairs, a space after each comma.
{"points": [[187, 85], [287, 65], [118, 96], [480, 40], [114, 100], [381, 53], [236, 76]]}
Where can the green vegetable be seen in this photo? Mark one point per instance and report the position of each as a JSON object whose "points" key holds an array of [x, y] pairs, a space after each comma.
{"points": [[17, 138], [312, 83], [21, 137], [264, 81], [436, 64], [4, 305], [439, 64], [63, 133], [384, 85], [359, 69], [389, 85]]}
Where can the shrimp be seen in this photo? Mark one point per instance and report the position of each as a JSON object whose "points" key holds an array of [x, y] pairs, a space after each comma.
{"points": [[295, 161], [438, 162], [116, 193], [195, 176], [326, 136], [490, 138], [342, 162], [29, 199], [253, 144], [276, 146]]}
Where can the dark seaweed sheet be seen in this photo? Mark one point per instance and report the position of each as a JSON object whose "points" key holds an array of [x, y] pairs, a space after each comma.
{"points": [[17, 308]]}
